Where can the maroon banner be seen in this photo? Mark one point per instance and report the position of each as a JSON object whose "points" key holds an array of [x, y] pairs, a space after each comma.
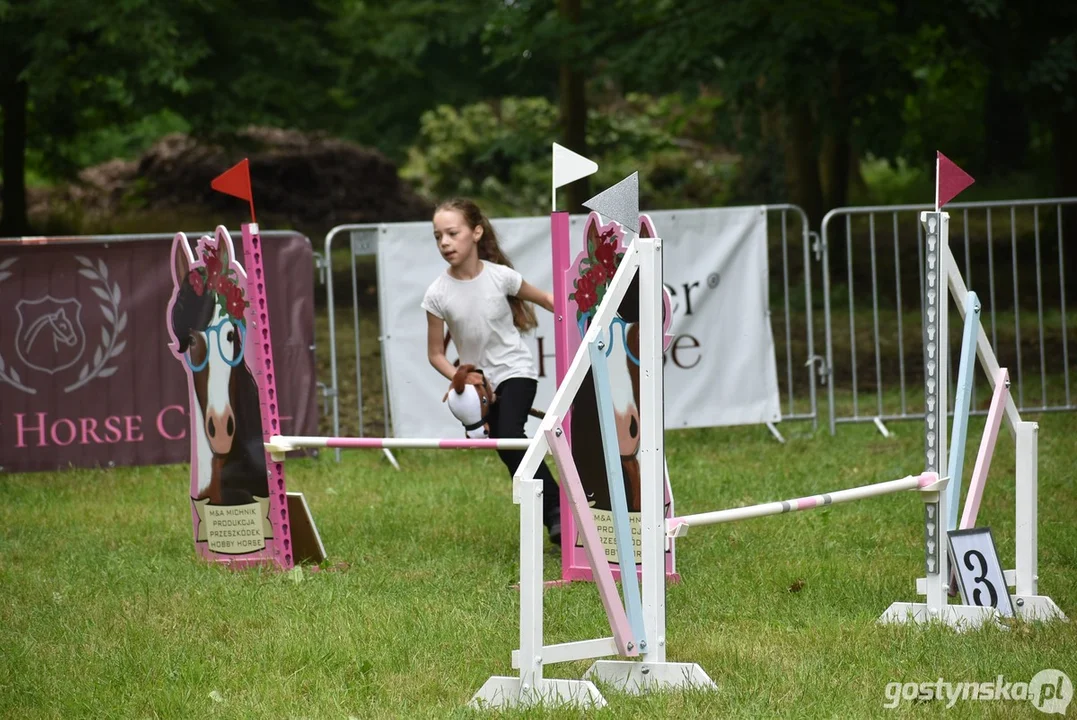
{"points": [[86, 375]]}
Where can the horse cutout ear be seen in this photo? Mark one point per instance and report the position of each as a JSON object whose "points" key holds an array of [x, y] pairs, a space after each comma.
{"points": [[646, 227], [182, 259], [224, 246], [590, 230], [646, 230]]}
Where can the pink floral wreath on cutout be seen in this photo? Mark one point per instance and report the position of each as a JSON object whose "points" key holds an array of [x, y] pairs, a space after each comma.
{"points": [[595, 267], [222, 282]]}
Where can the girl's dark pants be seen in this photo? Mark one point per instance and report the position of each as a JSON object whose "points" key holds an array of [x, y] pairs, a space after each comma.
{"points": [[507, 419]]}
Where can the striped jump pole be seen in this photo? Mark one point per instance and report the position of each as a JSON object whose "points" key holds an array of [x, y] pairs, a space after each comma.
{"points": [[278, 445], [678, 526]]}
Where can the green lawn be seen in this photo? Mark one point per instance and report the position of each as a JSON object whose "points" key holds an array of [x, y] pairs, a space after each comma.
{"points": [[109, 614]]}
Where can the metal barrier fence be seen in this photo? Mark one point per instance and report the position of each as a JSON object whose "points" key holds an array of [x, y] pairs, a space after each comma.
{"points": [[362, 242], [791, 250], [893, 349], [793, 324]]}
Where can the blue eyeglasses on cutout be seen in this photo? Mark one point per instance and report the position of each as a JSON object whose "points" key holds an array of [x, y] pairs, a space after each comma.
{"points": [[216, 329], [609, 346]]}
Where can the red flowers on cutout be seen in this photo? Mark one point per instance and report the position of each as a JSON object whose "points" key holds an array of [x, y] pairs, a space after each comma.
{"points": [[596, 270], [598, 275], [606, 255], [236, 307], [222, 282], [197, 283], [213, 266], [585, 295], [235, 303]]}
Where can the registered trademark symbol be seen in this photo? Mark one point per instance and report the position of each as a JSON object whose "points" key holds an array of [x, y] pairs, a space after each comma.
{"points": [[712, 280]]}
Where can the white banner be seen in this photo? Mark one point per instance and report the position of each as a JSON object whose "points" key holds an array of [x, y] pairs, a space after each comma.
{"points": [[720, 368]]}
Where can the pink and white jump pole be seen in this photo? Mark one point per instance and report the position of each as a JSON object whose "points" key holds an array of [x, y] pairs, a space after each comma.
{"points": [[678, 526], [280, 444]]}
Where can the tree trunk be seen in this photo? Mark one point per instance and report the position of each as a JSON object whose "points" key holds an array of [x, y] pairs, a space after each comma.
{"points": [[836, 167], [802, 162], [573, 107], [1006, 127], [837, 147], [13, 99], [1064, 149], [857, 186]]}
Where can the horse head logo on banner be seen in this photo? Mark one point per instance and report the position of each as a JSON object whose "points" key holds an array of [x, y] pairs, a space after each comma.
{"points": [[50, 336]]}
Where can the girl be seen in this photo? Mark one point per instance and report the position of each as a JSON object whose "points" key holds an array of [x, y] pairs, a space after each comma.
{"points": [[484, 301]]}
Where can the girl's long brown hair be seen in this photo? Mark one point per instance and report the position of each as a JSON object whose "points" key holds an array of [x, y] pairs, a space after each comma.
{"points": [[523, 314]]}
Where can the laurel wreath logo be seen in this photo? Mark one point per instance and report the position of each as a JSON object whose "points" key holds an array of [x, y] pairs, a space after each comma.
{"points": [[9, 374], [115, 322]]}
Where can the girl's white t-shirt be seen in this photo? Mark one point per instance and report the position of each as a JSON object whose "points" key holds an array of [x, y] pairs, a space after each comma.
{"points": [[479, 317]]}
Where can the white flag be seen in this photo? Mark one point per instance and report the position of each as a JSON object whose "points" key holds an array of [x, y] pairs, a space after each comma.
{"points": [[569, 166]]}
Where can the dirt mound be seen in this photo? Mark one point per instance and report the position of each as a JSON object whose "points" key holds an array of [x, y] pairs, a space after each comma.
{"points": [[307, 182]]}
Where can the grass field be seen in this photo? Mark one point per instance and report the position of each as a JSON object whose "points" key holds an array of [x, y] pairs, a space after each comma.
{"points": [[108, 612]]}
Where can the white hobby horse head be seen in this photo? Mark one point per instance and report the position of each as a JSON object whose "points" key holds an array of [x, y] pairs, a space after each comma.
{"points": [[470, 399]]}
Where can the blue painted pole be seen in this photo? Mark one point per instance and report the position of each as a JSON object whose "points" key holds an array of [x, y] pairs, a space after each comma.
{"points": [[962, 399], [622, 530]]}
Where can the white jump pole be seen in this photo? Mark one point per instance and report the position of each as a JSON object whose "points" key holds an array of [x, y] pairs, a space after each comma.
{"points": [[678, 526]]}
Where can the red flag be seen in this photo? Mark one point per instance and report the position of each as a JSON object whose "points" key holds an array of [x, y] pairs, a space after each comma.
{"points": [[236, 181], [951, 180]]}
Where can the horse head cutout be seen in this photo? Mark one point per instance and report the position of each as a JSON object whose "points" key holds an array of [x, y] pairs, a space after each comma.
{"points": [[470, 398], [592, 272], [207, 324]]}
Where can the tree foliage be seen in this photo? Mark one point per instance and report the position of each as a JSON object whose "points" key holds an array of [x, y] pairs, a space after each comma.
{"points": [[499, 153], [73, 69], [796, 92]]}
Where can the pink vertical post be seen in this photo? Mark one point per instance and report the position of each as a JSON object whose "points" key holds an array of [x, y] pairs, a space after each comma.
{"points": [[987, 449], [564, 331], [559, 232], [265, 377]]}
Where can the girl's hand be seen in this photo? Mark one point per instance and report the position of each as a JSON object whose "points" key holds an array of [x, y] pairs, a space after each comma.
{"points": [[473, 378]]}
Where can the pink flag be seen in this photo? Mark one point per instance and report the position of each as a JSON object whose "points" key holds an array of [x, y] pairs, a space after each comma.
{"points": [[950, 180]]}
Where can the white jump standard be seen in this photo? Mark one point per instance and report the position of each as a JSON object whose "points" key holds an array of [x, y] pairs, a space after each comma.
{"points": [[651, 670], [943, 278]]}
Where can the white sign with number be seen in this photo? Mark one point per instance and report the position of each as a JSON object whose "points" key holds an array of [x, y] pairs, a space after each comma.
{"points": [[974, 556]]}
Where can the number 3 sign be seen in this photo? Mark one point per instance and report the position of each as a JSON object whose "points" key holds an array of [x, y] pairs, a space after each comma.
{"points": [[974, 557]]}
